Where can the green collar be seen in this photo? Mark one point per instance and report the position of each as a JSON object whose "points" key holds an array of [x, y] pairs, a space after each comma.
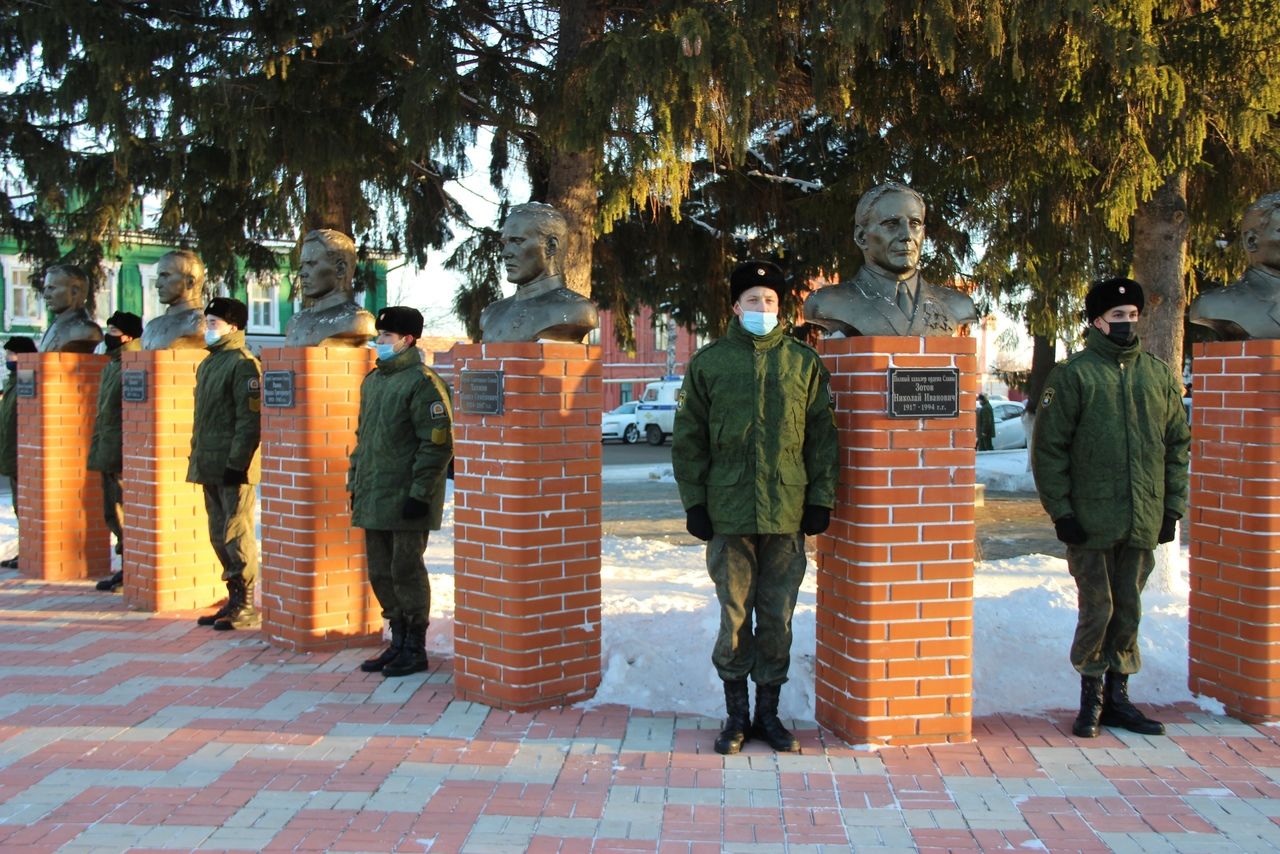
{"points": [[739, 335], [1104, 346], [407, 359]]}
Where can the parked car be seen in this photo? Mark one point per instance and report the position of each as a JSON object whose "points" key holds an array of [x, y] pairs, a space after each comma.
{"points": [[1010, 433], [621, 424], [657, 409]]}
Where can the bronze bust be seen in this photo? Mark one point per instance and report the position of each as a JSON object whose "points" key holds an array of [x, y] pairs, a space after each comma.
{"points": [[542, 307], [331, 318], [1250, 306], [66, 288], [888, 296], [180, 285]]}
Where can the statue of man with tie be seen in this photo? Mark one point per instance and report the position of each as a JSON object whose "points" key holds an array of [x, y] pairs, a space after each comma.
{"points": [[888, 296]]}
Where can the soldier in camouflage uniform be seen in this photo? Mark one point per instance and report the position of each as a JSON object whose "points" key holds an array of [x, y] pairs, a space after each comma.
{"points": [[106, 448], [224, 456], [404, 442], [754, 453], [1110, 463], [9, 426]]}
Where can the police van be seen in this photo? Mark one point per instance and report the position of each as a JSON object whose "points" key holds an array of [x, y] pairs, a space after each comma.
{"points": [[656, 410]]}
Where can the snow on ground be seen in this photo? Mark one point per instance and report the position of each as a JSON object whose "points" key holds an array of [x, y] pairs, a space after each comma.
{"points": [[660, 617]]}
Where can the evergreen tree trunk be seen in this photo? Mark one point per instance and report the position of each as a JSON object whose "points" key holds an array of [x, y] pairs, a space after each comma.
{"points": [[1159, 265], [571, 170], [331, 203]]}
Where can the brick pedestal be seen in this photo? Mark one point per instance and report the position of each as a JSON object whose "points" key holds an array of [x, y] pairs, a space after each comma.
{"points": [[1234, 616], [168, 562], [527, 528], [60, 518], [315, 591], [895, 569]]}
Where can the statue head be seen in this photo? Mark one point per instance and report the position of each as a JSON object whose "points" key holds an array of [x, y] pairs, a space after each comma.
{"points": [[66, 286], [179, 277], [328, 263], [889, 229], [1260, 230], [531, 241]]}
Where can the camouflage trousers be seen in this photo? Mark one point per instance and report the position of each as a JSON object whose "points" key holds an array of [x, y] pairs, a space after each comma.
{"points": [[1110, 584], [230, 510], [113, 506], [397, 572], [757, 578]]}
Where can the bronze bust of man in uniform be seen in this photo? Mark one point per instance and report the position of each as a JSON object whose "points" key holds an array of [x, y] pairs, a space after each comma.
{"points": [[1250, 306], [888, 296], [542, 307], [331, 317], [180, 286], [66, 287]]}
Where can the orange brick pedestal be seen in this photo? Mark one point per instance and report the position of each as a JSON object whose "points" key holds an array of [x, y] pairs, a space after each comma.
{"points": [[1234, 613], [315, 593], [168, 562], [527, 526], [895, 569], [63, 533]]}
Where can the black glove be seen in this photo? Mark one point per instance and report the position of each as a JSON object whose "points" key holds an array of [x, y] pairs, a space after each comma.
{"points": [[697, 521], [1069, 530], [414, 509], [235, 477], [1168, 529], [815, 519]]}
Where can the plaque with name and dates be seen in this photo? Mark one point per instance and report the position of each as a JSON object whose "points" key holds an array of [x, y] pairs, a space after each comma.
{"points": [[480, 392], [924, 392], [133, 386], [277, 389], [25, 385]]}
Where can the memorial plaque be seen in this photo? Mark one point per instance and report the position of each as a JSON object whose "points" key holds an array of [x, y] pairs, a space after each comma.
{"points": [[25, 385], [277, 389], [480, 392], [924, 392], [133, 386]]}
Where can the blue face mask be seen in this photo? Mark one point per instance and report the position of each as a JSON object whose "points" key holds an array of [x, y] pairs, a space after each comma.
{"points": [[12, 366], [759, 322], [385, 351], [211, 337]]}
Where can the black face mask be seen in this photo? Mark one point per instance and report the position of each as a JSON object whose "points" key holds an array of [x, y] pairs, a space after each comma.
{"points": [[1122, 333], [112, 342]]}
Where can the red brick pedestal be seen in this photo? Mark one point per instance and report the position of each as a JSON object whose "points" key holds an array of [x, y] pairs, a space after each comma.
{"points": [[895, 569], [168, 562], [315, 592], [527, 528], [60, 519], [1234, 616]]}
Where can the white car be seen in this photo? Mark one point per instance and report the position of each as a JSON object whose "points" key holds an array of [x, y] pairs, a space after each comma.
{"points": [[1009, 430], [621, 424]]}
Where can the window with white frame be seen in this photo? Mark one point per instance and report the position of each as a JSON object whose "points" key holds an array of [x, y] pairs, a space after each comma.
{"points": [[22, 303], [661, 333], [107, 297], [264, 307], [151, 305]]}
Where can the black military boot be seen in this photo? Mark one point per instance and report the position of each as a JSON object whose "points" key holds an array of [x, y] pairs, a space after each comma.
{"points": [[737, 702], [1086, 725], [412, 657], [112, 582], [375, 664], [210, 619], [767, 726], [1118, 711], [242, 615]]}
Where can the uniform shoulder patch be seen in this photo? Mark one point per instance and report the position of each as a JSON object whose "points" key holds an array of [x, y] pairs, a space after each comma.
{"points": [[1047, 397], [255, 384], [680, 400], [437, 409]]}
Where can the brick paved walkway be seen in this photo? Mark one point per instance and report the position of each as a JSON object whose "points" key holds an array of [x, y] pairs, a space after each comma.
{"points": [[123, 731]]}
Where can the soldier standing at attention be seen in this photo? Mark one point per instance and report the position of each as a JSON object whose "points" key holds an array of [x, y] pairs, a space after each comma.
{"points": [[754, 453], [9, 427], [1110, 463], [224, 456], [106, 448], [404, 442]]}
